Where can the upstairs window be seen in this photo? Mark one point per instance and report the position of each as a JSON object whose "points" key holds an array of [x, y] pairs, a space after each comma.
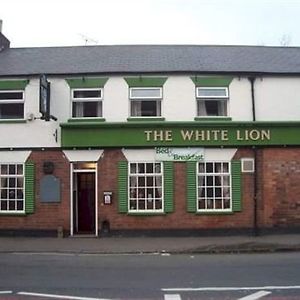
{"points": [[145, 102], [87, 103], [212, 101], [11, 104]]}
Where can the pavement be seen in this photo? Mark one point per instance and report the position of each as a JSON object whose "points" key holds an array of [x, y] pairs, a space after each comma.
{"points": [[147, 245]]}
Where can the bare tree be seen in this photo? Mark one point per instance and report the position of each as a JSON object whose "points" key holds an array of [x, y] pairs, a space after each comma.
{"points": [[285, 40]]}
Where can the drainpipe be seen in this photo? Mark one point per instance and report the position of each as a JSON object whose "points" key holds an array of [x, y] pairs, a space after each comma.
{"points": [[255, 214]]}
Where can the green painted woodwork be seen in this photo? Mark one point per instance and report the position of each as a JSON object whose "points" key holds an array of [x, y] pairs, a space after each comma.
{"points": [[29, 188], [142, 81], [212, 119], [82, 120], [168, 186], [181, 134], [191, 186], [143, 119], [236, 182], [12, 121], [212, 81], [86, 82], [123, 186], [13, 84]]}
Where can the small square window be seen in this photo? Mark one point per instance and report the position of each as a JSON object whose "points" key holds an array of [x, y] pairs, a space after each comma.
{"points": [[248, 165]]}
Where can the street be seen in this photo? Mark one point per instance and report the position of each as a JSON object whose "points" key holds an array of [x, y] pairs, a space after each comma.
{"points": [[157, 276]]}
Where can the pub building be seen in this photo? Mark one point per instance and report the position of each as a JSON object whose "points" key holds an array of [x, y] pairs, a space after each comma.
{"points": [[149, 139]]}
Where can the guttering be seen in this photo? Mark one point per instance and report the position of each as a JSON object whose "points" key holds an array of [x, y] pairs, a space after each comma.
{"points": [[255, 213], [252, 80]]}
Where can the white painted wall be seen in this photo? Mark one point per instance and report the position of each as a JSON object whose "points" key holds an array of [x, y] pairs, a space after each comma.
{"points": [[116, 103], [179, 102], [36, 133], [240, 102], [277, 99]]}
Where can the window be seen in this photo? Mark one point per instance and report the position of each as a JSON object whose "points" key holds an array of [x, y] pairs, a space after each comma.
{"points": [[212, 101], [145, 102], [87, 103], [11, 104], [213, 186], [145, 187], [12, 188]]}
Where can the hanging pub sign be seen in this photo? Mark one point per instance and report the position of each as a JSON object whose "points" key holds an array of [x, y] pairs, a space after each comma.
{"points": [[44, 98], [179, 154]]}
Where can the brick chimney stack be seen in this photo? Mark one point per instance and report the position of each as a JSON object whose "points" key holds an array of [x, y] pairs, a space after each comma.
{"points": [[4, 42]]}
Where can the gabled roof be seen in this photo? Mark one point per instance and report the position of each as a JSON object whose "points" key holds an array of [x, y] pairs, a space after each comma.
{"points": [[141, 59]]}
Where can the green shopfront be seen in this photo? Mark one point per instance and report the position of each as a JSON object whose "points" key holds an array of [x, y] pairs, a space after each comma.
{"points": [[188, 177]]}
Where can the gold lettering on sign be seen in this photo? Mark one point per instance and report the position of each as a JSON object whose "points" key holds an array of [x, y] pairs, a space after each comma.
{"points": [[253, 135], [168, 135], [159, 135], [224, 135], [208, 135], [187, 134], [148, 135]]}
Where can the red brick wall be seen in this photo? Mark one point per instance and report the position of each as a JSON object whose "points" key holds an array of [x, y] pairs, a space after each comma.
{"points": [[278, 195], [281, 192], [47, 216], [180, 218]]}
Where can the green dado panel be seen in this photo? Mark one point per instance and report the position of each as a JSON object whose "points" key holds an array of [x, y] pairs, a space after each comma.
{"points": [[212, 81], [86, 82], [142, 81], [13, 84], [181, 134]]}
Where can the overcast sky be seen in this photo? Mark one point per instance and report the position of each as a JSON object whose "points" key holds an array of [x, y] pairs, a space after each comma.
{"points": [[34, 23]]}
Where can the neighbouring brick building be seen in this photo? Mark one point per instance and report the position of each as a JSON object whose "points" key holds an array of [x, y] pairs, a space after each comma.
{"points": [[149, 139]]}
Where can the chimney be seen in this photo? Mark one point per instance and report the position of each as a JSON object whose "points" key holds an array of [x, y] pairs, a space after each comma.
{"points": [[4, 42]]}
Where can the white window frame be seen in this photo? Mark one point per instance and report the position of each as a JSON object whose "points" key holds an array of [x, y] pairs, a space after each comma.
{"points": [[212, 98], [14, 101], [16, 176], [244, 161], [209, 210], [198, 89], [145, 97], [146, 211], [86, 99], [157, 99]]}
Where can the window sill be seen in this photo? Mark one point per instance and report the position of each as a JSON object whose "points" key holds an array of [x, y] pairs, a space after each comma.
{"points": [[146, 214], [12, 214], [75, 120], [143, 119], [12, 121], [212, 213], [213, 119]]}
